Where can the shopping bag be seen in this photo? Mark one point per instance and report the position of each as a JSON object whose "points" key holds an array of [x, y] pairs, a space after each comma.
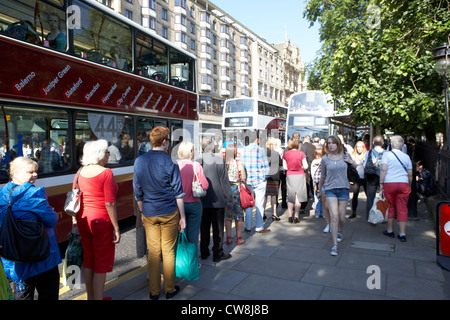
{"points": [[73, 257], [186, 264], [5, 289], [379, 211]]}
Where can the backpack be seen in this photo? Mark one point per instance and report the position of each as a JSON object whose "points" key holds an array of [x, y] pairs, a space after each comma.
{"points": [[371, 166]]}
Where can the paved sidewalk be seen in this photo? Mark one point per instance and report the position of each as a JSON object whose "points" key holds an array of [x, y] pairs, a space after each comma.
{"points": [[293, 262]]}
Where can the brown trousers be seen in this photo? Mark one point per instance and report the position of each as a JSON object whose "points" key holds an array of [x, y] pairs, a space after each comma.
{"points": [[161, 234]]}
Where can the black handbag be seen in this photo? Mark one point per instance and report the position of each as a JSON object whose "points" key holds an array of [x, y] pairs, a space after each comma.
{"points": [[352, 173], [23, 240]]}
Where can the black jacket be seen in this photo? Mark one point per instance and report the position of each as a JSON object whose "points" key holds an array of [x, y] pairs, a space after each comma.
{"points": [[219, 190]]}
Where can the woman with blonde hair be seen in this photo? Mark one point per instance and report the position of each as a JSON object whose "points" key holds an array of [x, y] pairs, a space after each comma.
{"points": [[30, 203], [192, 205], [273, 181], [358, 155], [337, 188], [233, 210]]}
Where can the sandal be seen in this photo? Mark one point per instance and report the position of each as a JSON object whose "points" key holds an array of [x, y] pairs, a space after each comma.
{"points": [[240, 241], [228, 240], [275, 218]]}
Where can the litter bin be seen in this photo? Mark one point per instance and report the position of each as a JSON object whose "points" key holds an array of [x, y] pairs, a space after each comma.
{"points": [[443, 234]]}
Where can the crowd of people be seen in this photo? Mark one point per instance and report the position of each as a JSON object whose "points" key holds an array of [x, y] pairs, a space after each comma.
{"points": [[167, 203]]}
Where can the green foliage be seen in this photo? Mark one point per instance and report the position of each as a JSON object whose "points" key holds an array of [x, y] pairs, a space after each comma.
{"points": [[384, 75]]}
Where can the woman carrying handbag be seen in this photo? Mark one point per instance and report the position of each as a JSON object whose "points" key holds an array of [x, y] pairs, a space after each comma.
{"points": [[234, 210], [191, 172]]}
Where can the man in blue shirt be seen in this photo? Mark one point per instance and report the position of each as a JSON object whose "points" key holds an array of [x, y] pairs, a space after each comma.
{"points": [[256, 166]]}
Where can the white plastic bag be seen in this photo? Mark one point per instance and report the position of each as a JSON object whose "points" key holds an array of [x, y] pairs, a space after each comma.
{"points": [[379, 211]]}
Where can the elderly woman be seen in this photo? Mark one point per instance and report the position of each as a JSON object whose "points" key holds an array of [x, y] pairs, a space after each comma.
{"points": [[159, 196], [30, 203], [97, 218], [192, 205], [395, 183]]}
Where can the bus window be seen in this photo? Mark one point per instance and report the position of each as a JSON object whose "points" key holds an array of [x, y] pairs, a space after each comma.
{"points": [[40, 134], [145, 125], [102, 39], [118, 130], [151, 58], [181, 70], [239, 105], [35, 22]]}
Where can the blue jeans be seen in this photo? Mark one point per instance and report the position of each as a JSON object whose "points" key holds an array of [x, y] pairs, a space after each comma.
{"points": [[259, 192], [193, 212]]}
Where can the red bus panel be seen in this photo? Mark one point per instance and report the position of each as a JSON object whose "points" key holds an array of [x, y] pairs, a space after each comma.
{"points": [[41, 75]]}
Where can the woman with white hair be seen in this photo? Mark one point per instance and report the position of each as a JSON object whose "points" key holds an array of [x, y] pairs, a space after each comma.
{"points": [[97, 218], [192, 205], [395, 183]]}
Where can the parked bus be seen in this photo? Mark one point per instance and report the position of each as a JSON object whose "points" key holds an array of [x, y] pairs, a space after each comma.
{"points": [[243, 114], [308, 114], [96, 75]]}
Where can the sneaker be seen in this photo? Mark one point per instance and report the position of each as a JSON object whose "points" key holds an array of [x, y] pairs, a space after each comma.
{"points": [[327, 229], [334, 250], [402, 237], [340, 237]]}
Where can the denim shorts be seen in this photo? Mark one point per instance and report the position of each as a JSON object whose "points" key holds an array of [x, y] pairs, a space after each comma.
{"points": [[340, 193]]}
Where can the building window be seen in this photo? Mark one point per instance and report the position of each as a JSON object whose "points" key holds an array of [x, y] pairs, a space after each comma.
{"points": [[164, 14], [164, 32], [129, 14], [152, 23], [192, 44], [180, 3]]}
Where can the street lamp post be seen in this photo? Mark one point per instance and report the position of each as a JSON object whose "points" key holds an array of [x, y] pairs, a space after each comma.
{"points": [[441, 56]]}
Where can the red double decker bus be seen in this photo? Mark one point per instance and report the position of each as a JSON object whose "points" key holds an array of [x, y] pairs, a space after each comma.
{"points": [[74, 71]]}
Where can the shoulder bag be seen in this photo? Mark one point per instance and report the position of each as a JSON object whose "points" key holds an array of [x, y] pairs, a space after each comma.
{"points": [[197, 189], [245, 194], [73, 200], [23, 240], [404, 167], [352, 173]]}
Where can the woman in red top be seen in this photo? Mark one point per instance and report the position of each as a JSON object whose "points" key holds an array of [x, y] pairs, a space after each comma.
{"points": [[294, 162], [97, 218]]}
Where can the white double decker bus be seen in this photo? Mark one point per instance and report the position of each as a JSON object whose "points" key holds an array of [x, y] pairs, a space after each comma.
{"points": [[242, 114], [309, 113]]}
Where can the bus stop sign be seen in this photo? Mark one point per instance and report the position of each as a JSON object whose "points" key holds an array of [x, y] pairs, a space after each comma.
{"points": [[443, 234]]}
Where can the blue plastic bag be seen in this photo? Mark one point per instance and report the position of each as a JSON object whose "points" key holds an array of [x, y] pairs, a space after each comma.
{"points": [[186, 264]]}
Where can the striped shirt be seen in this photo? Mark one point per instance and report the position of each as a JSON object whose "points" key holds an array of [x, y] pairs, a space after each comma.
{"points": [[255, 163]]}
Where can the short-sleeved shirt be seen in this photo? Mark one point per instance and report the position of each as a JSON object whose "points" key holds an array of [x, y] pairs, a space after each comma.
{"points": [[335, 173], [96, 191], [294, 160], [395, 171]]}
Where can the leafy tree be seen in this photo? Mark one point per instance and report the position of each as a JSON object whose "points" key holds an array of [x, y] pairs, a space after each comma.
{"points": [[376, 57]]}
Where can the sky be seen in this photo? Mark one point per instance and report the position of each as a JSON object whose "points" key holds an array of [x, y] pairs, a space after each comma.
{"points": [[272, 20]]}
